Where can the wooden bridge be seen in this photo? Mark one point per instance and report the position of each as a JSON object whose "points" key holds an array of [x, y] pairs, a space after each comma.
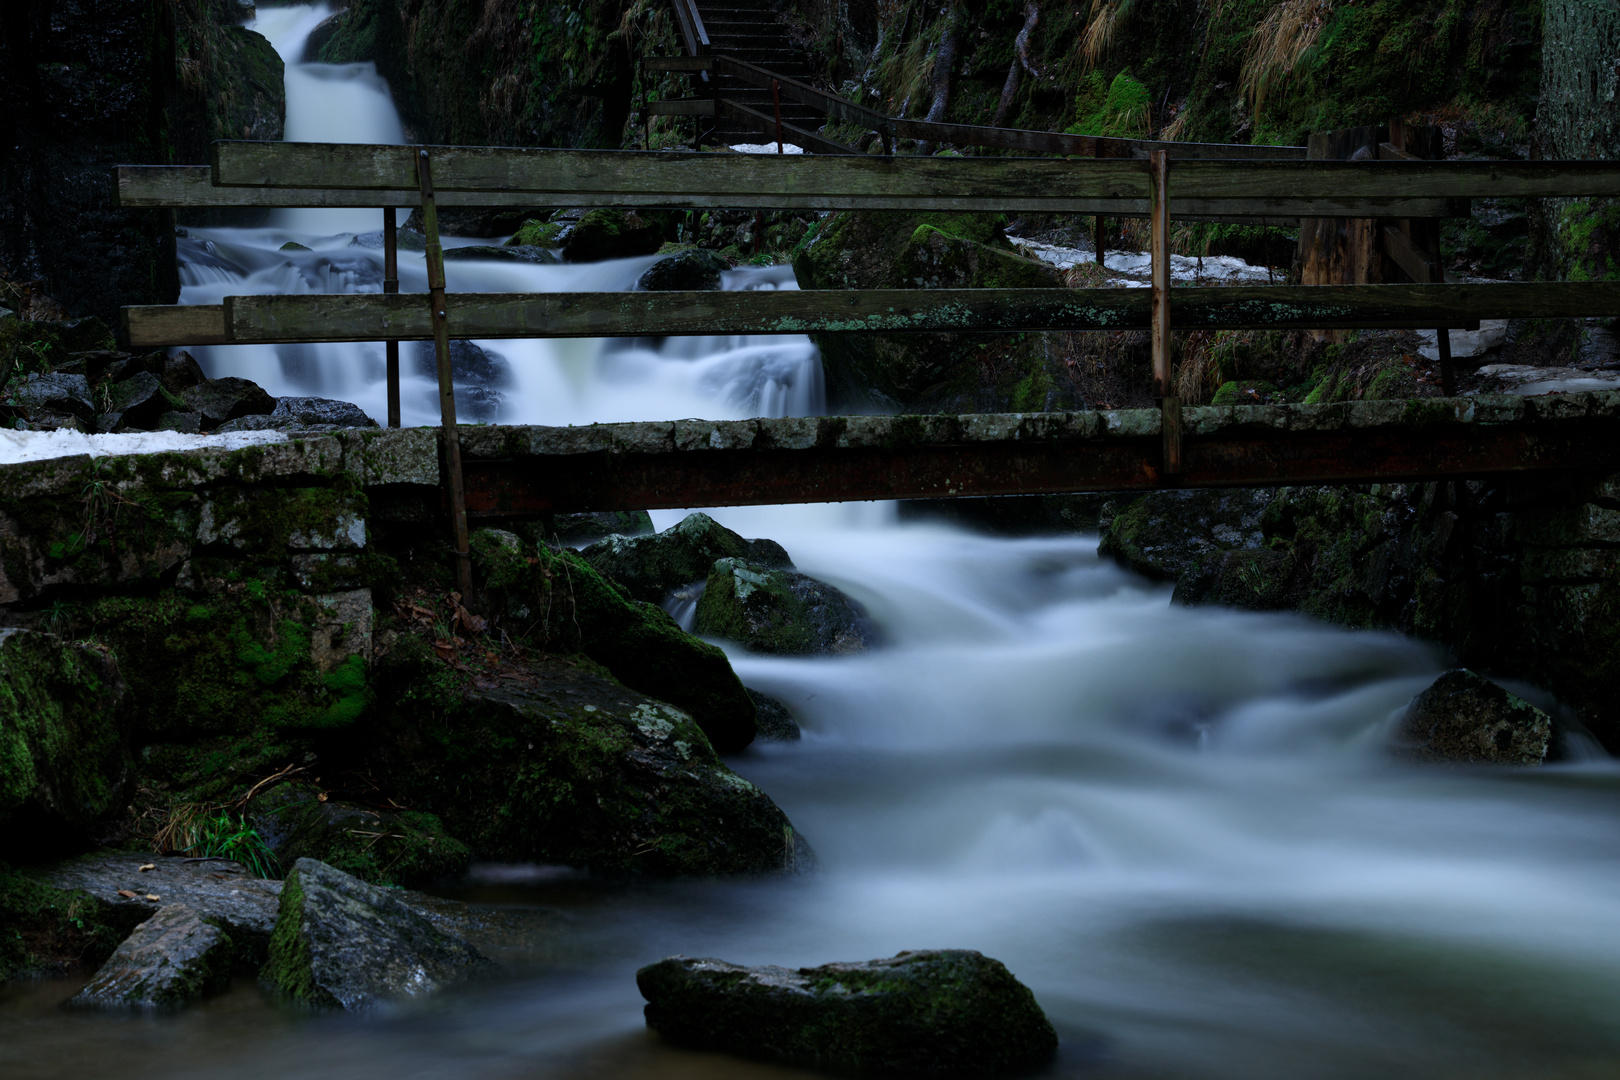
{"points": [[1206, 447]]}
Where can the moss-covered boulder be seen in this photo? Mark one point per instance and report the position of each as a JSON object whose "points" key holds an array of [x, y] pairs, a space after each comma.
{"points": [[1466, 719], [925, 372], [574, 529], [340, 943], [650, 566], [556, 761], [554, 599], [694, 270], [63, 762], [384, 847], [1166, 534], [610, 233], [45, 929], [770, 610], [172, 959], [933, 1013]]}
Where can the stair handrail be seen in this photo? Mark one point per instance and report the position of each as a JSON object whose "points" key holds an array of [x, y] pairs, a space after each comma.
{"points": [[692, 29]]}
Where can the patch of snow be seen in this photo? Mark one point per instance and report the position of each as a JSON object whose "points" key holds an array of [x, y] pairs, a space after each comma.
{"points": [[1466, 343], [1213, 269], [1528, 381], [17, 446], [766, 148]]}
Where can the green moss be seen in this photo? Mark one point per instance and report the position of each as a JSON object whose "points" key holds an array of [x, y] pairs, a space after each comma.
{"points": [[537, 234], [1124, 109], [290, 968], [44, 929], [1588, 237], [1243, 392]]}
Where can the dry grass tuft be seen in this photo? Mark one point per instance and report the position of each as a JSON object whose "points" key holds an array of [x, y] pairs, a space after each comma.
{"points": [[1104, 24], [1282, 39]]}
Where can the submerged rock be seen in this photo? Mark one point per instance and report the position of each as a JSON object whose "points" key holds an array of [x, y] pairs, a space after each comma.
{"points": [[770, 610], [522, 253], [935, 1013], [343, 944], [63, 764], [773, 722], [171, 959], [1467, 719], [697, 270], [650, 566], [556, 762]]}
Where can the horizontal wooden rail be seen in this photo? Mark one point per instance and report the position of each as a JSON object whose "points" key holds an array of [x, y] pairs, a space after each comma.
{"points": [[137, 187], [375, 316], [810, 140]]}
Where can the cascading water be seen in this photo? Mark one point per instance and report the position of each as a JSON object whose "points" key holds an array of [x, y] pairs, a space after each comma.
{"points": [[1177, 826]]}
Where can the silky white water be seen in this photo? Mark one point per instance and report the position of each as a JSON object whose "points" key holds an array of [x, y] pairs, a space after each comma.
{"points": [[1177, 826]]}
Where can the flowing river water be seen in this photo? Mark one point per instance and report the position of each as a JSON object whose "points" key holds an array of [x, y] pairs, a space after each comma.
{"points": [[1177, 826]]}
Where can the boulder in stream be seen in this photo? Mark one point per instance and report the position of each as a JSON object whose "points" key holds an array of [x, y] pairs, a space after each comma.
{"points": [[933, 1013], [1467, 719], [695, 270], [343, 944], [171, 959], [611, 233], [770, 610], [650, 566]]}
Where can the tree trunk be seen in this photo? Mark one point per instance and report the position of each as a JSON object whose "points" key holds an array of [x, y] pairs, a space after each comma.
{"points": [[1009, 90], [944, 62]]}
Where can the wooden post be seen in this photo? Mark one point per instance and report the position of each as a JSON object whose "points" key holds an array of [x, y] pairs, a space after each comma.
{"points": [[390, 287], [1421, 251], [1159, 165], [447, 391], [1341, 251], [776, 100], [1097, 224]]}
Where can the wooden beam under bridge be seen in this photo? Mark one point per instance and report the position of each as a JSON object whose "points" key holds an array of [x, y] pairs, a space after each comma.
{"points": [[526, 471]]}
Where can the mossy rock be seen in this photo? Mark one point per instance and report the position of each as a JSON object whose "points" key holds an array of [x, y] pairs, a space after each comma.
{"points": [[1463, 718], [1243, 392], [556, 600], [542, 234], [615, 234], [44, 930], [63, 761], [562, 763], [650, 566], [1165, 534], [384, 847], [770, 610]]}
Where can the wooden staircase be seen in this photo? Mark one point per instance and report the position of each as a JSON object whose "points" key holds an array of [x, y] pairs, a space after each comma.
{"points": [[748, 30]]}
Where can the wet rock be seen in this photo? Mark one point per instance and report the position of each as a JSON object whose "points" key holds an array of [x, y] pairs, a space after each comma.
{"points": [[650, 566], [538, 256], [141, 400], [49, 930], [933, 1013], [769, 610], [563, 599], [478, 375], [1467, 719], [1166, 534], [384, 847], [56, 393], [293, 245], [186, 423], [218, 890], [580, 528], [318, 37], [320, 413], [63, 764], [773, 722], [487, 221], [55, 421], [614, 234], [181, 372], [222, 400], [171, 959], [697, 270], [555, 761], [343, 944]]}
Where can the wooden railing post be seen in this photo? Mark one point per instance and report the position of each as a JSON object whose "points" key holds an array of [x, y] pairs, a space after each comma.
{"points": [[1170, 404], [390, 287], [447, 391]]}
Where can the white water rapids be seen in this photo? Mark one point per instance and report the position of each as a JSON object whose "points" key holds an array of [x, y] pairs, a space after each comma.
{"points": [[1177, 826]]}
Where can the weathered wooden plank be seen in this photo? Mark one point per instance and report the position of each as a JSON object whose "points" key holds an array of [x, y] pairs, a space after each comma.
{"points": [[373, 316], [1399, 247], [810, 140], [1264, 184], [149, 327], [159, 186], [681, 107], [828, 472]]}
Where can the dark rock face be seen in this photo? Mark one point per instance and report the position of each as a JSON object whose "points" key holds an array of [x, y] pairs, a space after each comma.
{"points": [[181, 372], [171, 959], [520, 253], [221, 400], [650, 566], [580, 528], [560, 763], [478, 374], [140, 400], [320, 412], [384, 847], [773, 722], [83, 91], [340, 943], [770, 610], [614, 234], [933, 1013], [62, 759], [56, 393], [1168, 533], [1464, 718], [697, 270]]}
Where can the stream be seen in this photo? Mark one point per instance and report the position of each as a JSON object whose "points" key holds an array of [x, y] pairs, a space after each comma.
{"points": [[1177, 826]]}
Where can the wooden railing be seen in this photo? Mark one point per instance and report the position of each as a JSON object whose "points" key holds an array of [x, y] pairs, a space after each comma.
{"points": [[293, 174]]}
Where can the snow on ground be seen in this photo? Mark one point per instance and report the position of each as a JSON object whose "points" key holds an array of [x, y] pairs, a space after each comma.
{"points": [[766, 148], [17, 446], [1212, 269]]}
